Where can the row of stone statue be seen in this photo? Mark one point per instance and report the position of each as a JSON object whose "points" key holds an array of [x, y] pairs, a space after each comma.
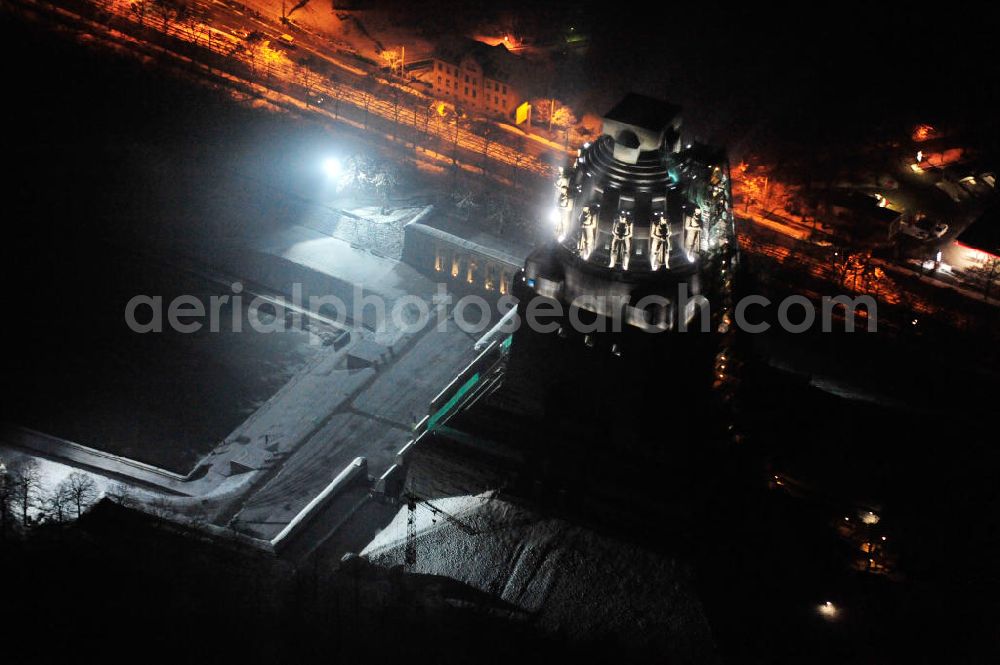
{"points": [[622, 232]]}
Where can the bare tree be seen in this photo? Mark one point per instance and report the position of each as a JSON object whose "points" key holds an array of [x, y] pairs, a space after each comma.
{"points": [[465, 200], [461, 124], [430, 111], [503, 214], [58, 502], [986, 276], [254, 42], [384, 181], [392, 59], [357, 174], [26, 484], [308, 77], [170, 10], [81, 490], [161, 507], [499, 212], [121, 494], [198, 517], [563, 119], [396, 97], [519, 145], [337, 93], [139, 8], [6, 500], [366, 86], [190, 19], [487, 131]]}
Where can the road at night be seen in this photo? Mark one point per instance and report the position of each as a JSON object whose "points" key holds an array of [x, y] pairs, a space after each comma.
{"points": [[354, 93]]}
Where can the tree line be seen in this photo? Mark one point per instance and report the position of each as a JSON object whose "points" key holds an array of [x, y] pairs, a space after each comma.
{"points": [[25, 501]]}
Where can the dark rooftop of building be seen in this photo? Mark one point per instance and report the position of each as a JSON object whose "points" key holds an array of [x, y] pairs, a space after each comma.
{"points": [[497, 62], [645, 112], [862, 204], [984, 233]]}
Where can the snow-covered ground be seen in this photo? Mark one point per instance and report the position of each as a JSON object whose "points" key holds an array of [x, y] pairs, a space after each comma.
{"points": [[362, 32], [569, 580]]}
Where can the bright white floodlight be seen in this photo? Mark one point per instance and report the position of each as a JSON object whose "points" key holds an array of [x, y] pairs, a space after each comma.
{"points": [[828, 611], [332, 167]]}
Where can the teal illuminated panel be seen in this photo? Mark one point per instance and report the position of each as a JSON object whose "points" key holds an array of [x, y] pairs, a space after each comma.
{"points": [[450, 404]]}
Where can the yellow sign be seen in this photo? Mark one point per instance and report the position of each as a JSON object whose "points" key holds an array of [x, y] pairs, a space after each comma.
{"points": [[522, 113]]}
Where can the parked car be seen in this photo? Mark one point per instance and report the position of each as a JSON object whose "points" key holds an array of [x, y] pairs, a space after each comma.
{"points": [[923, 228]]}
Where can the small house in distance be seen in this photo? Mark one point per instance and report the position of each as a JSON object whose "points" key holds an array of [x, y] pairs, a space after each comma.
{"points": [[487, 80]]}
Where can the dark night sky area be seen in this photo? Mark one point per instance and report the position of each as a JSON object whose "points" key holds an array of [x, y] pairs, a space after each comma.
{"points": [[813, 72]]}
